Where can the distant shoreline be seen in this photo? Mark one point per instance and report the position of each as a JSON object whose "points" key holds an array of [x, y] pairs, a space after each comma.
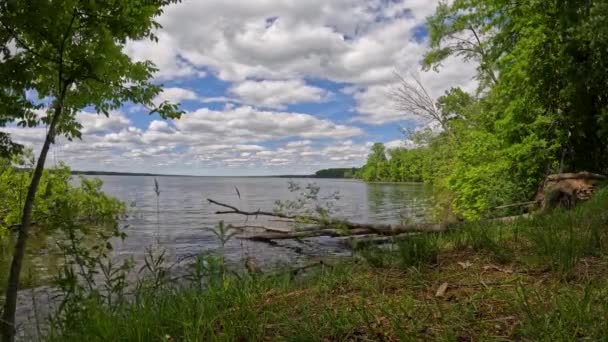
{"points": [[111, 173]]}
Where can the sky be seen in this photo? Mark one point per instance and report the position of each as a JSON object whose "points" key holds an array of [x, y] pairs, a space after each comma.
{"points": [[268, 87]]}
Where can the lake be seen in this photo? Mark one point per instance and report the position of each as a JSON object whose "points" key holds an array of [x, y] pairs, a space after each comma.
{"points": [[184, 213], [179, 225]]}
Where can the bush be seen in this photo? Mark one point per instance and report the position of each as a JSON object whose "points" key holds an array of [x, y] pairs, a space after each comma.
{"points": [[60, 205], [562, 238]]}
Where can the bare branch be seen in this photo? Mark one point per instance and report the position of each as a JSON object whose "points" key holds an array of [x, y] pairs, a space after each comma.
{"points": [[235, 210], [325, 227], [483, 54], [411, 97]]}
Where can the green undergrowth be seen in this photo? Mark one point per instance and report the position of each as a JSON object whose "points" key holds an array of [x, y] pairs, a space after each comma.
{"points": [[62, 205], [538, 279]]}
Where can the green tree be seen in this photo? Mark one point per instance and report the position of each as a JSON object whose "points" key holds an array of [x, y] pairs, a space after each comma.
{"points": [[71, 53], [376, 168], [542, 71], [551, 58]]}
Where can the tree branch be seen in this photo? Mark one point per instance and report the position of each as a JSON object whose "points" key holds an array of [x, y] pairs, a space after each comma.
{"points": [[328, 227]]}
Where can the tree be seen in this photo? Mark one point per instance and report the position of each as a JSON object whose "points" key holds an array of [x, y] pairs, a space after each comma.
{"points": [[376, 168], [455, 30], [549, 61], [70, 53]]}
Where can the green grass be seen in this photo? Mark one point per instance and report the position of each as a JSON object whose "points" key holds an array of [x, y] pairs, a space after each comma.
{"points": [[540, 279]]}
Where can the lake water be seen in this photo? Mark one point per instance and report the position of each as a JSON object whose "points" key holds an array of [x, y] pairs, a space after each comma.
{"points": [[184, 213], [179, 225]]}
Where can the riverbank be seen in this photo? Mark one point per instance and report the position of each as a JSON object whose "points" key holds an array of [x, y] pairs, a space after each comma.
{"points": [[537, 279]]}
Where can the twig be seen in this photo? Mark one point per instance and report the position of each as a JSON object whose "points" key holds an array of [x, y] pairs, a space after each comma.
{"points": [[515, 205], [270, 229], [235, 210]]}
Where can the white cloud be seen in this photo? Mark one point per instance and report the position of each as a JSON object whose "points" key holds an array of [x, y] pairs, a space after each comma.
{"points": [[98, 123], [341, 40], [249, 124], [175, 95], [229, 138], [165, 56], [160, 126], [352, 41], [264, 51], [277, 94]]}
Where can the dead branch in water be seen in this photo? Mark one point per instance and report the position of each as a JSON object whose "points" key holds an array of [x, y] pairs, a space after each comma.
{"points": [[327, 227], [235, 210]]}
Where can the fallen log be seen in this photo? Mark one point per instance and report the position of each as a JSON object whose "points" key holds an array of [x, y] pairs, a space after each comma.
{"points": [[303, 235], [579, 175], [328, 227], [371, 240]]}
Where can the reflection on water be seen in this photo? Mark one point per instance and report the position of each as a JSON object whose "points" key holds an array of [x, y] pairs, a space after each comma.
{"points": [[396, 202]]}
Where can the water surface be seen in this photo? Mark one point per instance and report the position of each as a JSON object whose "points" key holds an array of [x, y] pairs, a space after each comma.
{"points": [[183, 211]]}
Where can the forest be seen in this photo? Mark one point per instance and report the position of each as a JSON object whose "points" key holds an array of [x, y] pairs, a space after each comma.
{"points": [[540, 107]]}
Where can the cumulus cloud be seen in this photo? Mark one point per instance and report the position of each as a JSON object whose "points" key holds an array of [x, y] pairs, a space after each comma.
{"points": [[277, 94], [343, 40], [265, 54], [175, 95], [98, 123], [229, 138], [358, 42], [165, 56], [249, 124], [159, 126]]}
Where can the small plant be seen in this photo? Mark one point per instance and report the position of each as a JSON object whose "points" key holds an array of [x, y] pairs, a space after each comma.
{"points": [[418, 250], [562, 238], [566, 316], [480, 237], [224, 233], [308, 203], [157, 192], [413, 251]]}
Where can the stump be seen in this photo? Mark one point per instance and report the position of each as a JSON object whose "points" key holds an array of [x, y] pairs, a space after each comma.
{"points": [[565, 190]]}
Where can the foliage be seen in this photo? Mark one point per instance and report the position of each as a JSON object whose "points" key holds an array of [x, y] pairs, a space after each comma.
{"points": [[336, 173], [375, 169], [58, 58], [64, 206], [87, 203], [540, 107]]}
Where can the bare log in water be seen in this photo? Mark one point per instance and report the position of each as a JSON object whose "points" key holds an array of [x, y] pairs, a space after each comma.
{"points": [[328, 227]]}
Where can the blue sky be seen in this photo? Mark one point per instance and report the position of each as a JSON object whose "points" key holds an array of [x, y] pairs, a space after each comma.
{"points": [[269, 87]]}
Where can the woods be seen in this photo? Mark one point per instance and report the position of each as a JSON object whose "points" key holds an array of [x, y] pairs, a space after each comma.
{"points": [[540, 107]]}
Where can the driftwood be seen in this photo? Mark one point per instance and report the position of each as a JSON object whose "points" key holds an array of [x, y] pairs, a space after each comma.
{"points": [[579, 175], [327, 227]]}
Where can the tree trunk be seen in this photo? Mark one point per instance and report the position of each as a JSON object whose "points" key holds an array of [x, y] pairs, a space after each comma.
{"points": [[10, 305]]}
